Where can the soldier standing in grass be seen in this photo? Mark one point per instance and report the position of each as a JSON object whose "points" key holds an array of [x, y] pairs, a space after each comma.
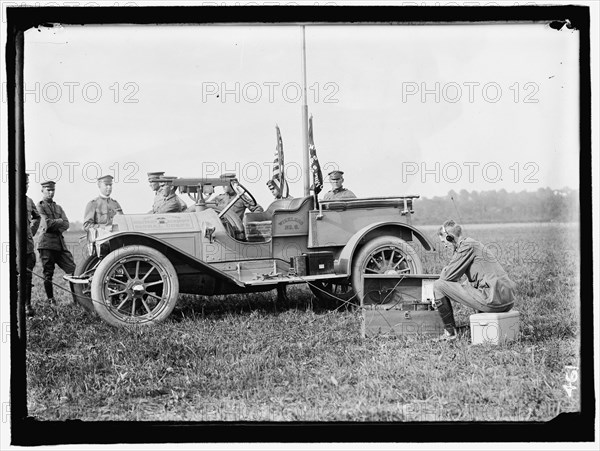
{"points": [[155, 186], [51, 246], [489, 289], [100, 211], [338, 192], [33, 223]]}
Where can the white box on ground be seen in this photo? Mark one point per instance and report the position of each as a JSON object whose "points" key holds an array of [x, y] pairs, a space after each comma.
{"points": [[494, 328]]}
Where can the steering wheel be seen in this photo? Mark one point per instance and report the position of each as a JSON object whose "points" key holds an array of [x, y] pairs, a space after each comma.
{"points": [[243, 193]]}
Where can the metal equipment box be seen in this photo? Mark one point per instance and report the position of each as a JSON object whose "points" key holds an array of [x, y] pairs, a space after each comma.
{"points": [[400, 304], [320, 263]]}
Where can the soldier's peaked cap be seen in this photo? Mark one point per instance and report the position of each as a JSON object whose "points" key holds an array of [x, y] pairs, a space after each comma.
{"points": [[333, 174], [152, 176], [48, 184], [106, 178], [166, 178]]}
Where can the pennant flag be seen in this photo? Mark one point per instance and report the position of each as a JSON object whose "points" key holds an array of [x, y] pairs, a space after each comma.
{"points": [[279, 166], [314, 161]]}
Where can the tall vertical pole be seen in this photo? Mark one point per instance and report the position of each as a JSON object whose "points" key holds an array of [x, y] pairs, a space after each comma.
{"points": [[305, 165], [17, 228]]}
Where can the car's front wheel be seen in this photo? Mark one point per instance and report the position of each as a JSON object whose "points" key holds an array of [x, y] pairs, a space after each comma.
{"points": [[135, 285]]}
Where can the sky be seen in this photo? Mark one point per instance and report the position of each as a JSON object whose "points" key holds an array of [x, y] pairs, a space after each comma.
{"points": [[401, 109]]}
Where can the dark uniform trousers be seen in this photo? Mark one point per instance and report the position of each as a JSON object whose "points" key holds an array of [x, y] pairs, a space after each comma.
{"points": [[33, 219], [51, 246]]}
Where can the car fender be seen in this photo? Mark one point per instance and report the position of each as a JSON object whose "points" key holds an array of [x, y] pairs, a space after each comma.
{"points": [[343, 264], [122, 239]]}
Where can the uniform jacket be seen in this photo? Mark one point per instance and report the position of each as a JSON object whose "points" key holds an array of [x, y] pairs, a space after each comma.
{"points": [[158, 200], [54, 223], [100, 212], [483, 271], [171, 204], [33, 219], [340, 193]]}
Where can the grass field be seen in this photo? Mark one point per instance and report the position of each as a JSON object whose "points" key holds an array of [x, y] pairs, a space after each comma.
{"points": [[249, 358]]}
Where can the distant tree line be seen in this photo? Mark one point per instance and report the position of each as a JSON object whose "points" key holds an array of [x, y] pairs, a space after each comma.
{"points": [[543, 205]]}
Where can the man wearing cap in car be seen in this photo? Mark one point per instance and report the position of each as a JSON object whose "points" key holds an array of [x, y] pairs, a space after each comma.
{"points": [[51, 245], [239, 208], [171, 203], [100, 211], [155, 186], [338, 192], [275, 191]]}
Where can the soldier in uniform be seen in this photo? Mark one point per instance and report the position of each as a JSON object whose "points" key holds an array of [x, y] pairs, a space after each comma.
{"points": [[100, 212], [171, 203], [275, 191], [33, 223], [153, 178], [489, 289], [239, 207], [51, 245], [338, 191]]}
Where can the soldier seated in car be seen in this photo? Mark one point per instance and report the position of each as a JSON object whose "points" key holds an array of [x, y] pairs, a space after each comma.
{"points": [[171, 203], [338, 192]]}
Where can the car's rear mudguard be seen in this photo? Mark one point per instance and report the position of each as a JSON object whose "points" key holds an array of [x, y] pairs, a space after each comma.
{"points": [[404, 231]]}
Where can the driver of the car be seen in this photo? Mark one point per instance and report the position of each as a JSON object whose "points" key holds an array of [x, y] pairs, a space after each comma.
{"points": [[239, 208]]}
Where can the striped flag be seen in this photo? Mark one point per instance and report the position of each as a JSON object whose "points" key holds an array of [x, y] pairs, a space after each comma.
{"points": [[314, 161], [278, 167]]}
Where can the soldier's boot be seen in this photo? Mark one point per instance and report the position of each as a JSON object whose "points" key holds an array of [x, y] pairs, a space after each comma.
{"points": [[49, 291], [444, 308]]}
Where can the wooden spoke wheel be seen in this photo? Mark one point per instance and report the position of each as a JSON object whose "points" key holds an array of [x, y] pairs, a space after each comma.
{"points": [[135, 285]]}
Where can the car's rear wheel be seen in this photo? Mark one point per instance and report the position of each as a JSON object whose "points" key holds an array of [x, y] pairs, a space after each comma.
{"points": [[383, 255], [135, 285]]}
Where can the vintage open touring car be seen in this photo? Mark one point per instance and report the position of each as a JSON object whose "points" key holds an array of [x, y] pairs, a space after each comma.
{"points": [[136, 270]]}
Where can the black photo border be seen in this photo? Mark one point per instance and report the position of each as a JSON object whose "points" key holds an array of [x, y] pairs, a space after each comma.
{"points": [[28, 431]]}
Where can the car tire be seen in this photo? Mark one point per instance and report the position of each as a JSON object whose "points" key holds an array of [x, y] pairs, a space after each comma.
{"points": [[135, 286]]}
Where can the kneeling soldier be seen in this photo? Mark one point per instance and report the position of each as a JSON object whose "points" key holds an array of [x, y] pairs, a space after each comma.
{"points": [[489, 289], [51, 246]]}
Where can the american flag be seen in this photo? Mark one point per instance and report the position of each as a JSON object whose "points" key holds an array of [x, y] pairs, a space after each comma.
{"points": [[314, 161], [278, 167]]}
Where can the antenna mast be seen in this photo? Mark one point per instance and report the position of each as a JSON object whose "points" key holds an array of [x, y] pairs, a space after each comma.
{"points": [[305, 163]]}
